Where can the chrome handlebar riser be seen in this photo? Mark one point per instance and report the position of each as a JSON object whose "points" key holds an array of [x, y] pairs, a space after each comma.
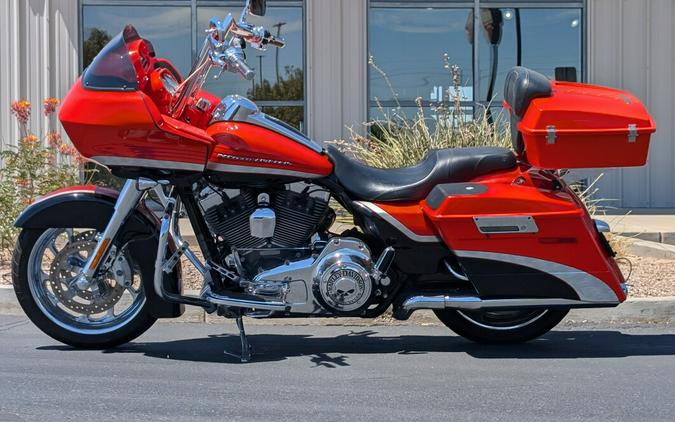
{"points": [[218, 52]]}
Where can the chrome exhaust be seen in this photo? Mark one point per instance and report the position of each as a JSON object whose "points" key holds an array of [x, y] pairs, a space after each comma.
{"points": [[474, 303]]}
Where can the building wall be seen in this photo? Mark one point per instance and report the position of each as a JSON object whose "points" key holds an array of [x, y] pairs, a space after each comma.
{"points": [[38, 46], [337, 67], [630, 46]]}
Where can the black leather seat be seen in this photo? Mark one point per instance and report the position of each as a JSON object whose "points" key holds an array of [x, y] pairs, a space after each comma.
{"points": [[414, 183]]}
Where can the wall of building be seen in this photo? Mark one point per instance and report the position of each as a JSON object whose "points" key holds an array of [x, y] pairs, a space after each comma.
{"points": [[630, 46], [336, 67], [38, 47]]}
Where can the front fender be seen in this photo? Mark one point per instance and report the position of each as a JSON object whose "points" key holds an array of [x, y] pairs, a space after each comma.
{"points": [[92, 207]]}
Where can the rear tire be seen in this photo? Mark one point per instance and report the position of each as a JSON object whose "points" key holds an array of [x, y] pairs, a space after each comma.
{"points": [[498, 327], [137, 323]]}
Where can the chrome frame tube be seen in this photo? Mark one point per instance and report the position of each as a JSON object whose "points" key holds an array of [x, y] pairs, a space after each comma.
{"points": [[170, 213], [126, 202]]}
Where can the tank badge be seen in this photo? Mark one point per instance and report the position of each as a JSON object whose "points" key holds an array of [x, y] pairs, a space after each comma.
{"points": [[253, 159]]}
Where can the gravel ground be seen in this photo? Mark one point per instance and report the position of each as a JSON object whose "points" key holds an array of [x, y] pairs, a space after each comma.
{"points": [[650, 276]]}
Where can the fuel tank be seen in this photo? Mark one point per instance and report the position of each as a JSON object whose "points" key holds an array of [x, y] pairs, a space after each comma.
{"points": [[252, 147]]}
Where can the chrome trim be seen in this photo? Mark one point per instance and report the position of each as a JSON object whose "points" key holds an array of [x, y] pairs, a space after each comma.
{"points": [[473, 303], [602, 226], [589, 288], [502, 328], [235, 108], [147, 162], [243, 303], [506, 224], [394, 222], [232, 168], [455, 273]]}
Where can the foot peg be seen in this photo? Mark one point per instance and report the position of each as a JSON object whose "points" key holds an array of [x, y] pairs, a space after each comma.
{"points": [[245, 347]]}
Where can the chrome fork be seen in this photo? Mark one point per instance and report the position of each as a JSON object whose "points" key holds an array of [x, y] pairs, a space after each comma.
{"points": [[129, 197]]}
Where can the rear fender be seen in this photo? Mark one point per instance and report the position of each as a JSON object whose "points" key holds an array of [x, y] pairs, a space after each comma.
{"points": [[92, 207]]}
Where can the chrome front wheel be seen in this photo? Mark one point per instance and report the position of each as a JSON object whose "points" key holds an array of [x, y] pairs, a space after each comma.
{"points": [[105, 312]]}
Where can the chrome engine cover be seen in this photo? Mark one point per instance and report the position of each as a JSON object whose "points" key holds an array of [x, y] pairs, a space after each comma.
{"points": [[343, 278], [337, 280]]}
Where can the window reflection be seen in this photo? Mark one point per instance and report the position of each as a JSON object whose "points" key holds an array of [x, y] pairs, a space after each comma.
{"points": [[167, 27], [412, 49], [409, 44], [279, 72], [550, 39]]}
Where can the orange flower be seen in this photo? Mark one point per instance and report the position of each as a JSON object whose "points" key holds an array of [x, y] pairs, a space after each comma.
{"points": [[21, 110], [80, 159], [22, 183], [30, 140], [54, 139], [49, 105], [65, 149]]}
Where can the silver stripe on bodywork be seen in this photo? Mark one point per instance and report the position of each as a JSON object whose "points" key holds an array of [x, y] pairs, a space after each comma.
{"points": [[394, 222], [232, 168], [588, 287], [147, 162]]}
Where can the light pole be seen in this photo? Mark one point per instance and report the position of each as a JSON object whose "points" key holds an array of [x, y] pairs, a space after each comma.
{"points": [[276, 52]]}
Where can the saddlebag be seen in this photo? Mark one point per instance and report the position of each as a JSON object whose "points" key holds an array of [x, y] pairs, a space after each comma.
{"points": [[567, 125]]}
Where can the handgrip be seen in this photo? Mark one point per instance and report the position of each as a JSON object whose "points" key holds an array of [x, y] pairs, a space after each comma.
{"points": [[243, 68], [277, 42], [236, 63]]}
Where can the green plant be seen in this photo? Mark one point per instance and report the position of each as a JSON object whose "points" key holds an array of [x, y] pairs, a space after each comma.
{"points": [[399, 140], [32, 168]]}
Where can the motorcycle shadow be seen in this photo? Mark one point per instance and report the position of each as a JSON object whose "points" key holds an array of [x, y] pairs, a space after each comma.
{"points": [[333, 352]]}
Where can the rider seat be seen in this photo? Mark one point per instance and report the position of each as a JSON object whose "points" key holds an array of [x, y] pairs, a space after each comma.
{"points": [[452, 165]]}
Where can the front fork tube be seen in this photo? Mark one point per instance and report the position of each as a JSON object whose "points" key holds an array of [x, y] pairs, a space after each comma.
{"points": [[126, 203]]}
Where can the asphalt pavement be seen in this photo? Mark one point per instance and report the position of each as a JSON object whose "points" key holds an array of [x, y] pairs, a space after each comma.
{"points": [[179, 371]]}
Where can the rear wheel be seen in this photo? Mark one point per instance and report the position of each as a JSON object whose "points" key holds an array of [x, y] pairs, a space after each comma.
{"points": [[512, 326], [110, 311]]}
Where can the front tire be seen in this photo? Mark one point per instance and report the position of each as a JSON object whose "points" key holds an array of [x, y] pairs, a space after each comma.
{"points": [[53, 306], [495, 327]]}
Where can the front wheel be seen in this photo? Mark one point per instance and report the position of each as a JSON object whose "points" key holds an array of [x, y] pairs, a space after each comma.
{"points": [[109, 311], [512, 326]]}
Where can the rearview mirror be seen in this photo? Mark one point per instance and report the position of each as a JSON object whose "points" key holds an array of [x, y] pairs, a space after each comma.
{"points": [[257, 7]]}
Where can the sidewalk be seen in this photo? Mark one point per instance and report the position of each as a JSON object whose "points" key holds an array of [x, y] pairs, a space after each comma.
{"points": [[654, 227]]}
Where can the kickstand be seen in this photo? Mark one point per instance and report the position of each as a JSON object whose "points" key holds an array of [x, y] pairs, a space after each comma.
{"points": [[245, 347]]}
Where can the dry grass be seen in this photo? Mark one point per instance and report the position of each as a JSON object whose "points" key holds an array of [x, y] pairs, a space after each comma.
{"points": [[400, 140]]}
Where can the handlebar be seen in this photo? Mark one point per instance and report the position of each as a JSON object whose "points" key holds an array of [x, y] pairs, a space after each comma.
{"points": [[226, 54], [237, 63]]}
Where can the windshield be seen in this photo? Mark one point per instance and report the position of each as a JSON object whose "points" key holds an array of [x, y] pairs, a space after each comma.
{"points": [[112, 69]]}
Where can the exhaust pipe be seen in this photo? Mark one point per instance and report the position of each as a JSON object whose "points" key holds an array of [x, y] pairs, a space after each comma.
{"points": [[474, 303]]}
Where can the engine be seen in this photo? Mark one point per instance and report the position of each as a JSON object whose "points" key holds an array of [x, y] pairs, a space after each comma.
{"points": [[267, 228], [279, 244]]}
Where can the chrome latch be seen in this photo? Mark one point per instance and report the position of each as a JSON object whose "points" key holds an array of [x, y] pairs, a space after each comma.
{"points": [[550, 134], [632, 133]]}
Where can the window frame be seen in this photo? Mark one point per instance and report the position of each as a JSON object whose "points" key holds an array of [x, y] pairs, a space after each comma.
{"points": [[476, 104], [195, 41]]}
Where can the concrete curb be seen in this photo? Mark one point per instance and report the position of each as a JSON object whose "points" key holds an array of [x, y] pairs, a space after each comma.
{"points": [[650, 249], [633, 311]]}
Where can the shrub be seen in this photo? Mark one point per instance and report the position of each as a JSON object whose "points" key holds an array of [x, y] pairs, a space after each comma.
{"points": [[34, 167], [399, 140]]}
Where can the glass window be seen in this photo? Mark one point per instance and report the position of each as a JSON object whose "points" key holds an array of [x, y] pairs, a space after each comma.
{"points": [[167, 27], [414, 45], [549, 39], [279, 84], [408, 48]]}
